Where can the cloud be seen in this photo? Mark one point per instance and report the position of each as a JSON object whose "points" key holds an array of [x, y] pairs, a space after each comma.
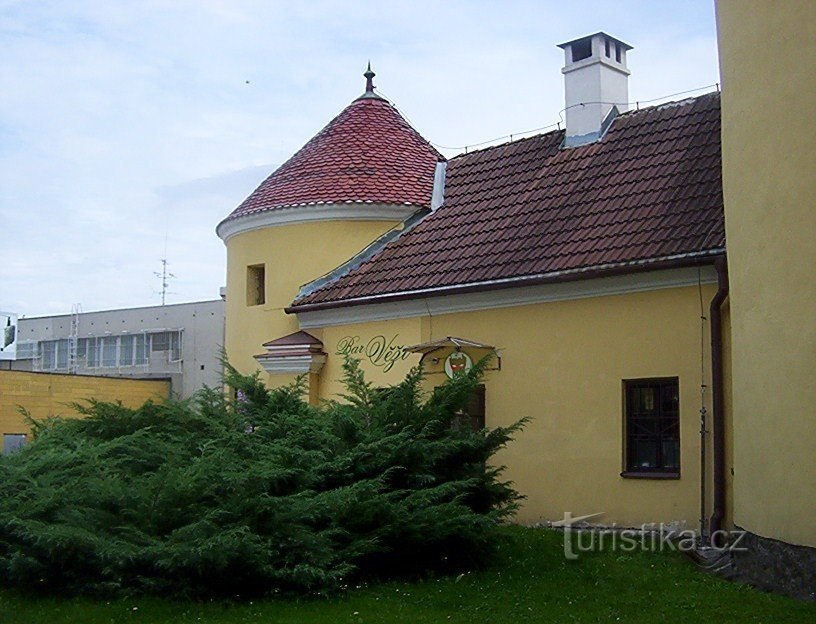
{"points": [[125, 124]]}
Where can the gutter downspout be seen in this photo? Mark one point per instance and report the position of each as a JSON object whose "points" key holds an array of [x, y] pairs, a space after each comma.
{"points": [[718, 417]]}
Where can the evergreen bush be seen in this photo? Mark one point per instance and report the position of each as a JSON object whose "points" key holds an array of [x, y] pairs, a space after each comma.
{"points": [[252, 495]]}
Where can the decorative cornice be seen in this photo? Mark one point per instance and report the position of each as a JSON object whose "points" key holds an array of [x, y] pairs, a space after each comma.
{"points": [[297, 364], [507, 297], [304, 213]]}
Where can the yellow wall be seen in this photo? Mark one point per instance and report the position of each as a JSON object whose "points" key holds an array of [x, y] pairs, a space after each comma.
{"points": [[563, 364], [293, 255], [768, 68], [377, 346], [48, 394]]}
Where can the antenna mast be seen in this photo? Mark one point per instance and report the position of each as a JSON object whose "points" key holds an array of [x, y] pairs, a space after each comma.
{"points": [[165, 276]]}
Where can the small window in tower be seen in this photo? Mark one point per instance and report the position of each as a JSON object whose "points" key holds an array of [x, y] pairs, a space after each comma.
{"points": [[581, 49], [256, 284], [606, 47], [618, 52]]}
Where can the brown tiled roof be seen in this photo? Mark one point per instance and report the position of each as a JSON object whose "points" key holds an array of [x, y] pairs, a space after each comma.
{"points": [[368, 153], [648, 192]]}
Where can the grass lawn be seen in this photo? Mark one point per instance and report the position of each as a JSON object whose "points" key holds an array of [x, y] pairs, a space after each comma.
{"points": [[532, 583]]}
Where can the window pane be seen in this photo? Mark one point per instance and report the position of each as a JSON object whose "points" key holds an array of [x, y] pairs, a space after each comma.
{"points": [[653, 425], [175, 346], [108, 351], [26, 350], [141, 350], [671, 453], [644, 399], [62, 354], [48, 349], [91, 353], [644, 453], [82, 346], [126, 351], [670, 398], [644, 427], [160, 341], [13, 442]]}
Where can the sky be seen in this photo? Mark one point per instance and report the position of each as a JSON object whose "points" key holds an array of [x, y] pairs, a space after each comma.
{"points": [[128, 130]]}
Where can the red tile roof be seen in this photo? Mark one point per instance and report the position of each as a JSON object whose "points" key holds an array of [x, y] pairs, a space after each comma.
{"points": [[368, 153], [648, 192]]}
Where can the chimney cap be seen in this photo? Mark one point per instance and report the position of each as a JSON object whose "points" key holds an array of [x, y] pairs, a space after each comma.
{"points": [[566, 44]]}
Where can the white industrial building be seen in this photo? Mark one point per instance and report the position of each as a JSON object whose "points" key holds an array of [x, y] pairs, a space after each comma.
{"points": [[181, 342]]}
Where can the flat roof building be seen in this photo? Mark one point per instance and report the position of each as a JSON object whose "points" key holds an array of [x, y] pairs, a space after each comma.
{"points": [[180, 342]]}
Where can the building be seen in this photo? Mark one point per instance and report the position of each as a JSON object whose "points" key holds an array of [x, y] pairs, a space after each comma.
{"points": [[769, 183], [590, 263], [180, 342], [582, 255]]}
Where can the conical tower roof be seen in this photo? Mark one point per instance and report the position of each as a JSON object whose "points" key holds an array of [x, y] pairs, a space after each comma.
{"points": [[367, 154]]}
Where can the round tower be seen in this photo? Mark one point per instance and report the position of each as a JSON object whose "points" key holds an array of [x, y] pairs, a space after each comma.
{"points": [[362, 175]]}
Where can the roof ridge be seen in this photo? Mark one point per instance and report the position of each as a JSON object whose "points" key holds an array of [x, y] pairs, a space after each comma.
{"points": [[628, 113], [506, 143], [669, 104]]}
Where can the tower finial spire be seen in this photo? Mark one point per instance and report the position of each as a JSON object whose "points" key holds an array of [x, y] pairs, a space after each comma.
{"points": [[369, 76], [369, 92]]}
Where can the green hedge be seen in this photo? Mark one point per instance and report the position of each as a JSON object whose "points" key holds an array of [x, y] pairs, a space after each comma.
{"points": [[261, 494]]}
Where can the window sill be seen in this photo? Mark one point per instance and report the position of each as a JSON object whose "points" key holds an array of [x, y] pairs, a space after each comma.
{"points": [[649, 475]]}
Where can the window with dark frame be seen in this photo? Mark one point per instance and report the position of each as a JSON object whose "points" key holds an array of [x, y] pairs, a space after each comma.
{"points": [[473, 416], [652, 427]]}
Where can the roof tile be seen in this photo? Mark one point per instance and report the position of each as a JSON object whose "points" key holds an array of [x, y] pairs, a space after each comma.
{"points": [[368, 153], [650, 189]]}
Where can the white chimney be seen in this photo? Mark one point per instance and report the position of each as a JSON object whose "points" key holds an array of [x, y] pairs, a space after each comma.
{"points": [[596, 81]]}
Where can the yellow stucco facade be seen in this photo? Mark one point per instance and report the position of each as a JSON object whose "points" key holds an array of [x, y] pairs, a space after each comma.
{"points": [[768, 68], [563, 364], [292, 256], [51, 394]]}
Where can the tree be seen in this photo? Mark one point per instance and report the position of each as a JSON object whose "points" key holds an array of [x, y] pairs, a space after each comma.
{"points": [[254, 495]]}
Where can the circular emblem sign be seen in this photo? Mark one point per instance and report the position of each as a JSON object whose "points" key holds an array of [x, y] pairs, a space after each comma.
{"points": [[457, 362]]}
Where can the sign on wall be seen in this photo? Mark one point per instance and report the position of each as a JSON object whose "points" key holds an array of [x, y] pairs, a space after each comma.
{"points": [[457, 362], [8, 336], [381, 351]]}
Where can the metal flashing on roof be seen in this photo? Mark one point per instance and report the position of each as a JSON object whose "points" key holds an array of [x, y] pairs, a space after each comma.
{"points": [[592, 137], [363, 256]]}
